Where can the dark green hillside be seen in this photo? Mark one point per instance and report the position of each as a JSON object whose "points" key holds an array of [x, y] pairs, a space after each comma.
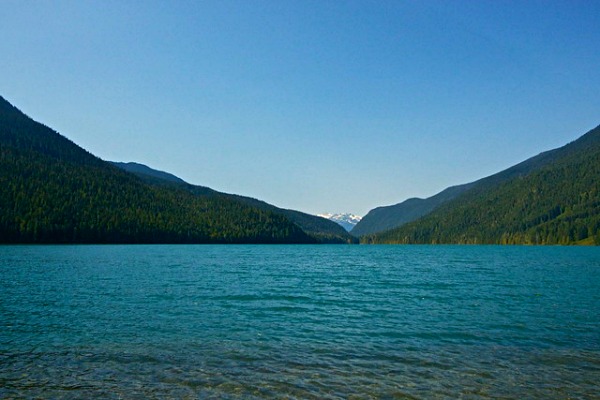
{"points": [[52, 191], [553, 198], [321, 229], [386, 218], [17, 131]]}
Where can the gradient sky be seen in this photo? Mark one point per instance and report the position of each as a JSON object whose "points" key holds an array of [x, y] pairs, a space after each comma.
{"points": [[320, 106]]}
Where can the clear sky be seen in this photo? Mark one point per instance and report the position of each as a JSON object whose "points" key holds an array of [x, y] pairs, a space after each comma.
{"points": [[320, 106]]}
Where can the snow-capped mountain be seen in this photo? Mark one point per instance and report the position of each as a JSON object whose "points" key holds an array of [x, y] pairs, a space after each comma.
{"points": [[346, 220]]}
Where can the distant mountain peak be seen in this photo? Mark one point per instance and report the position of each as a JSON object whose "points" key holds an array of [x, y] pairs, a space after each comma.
{"points": [[142, 169], [346, 220]]}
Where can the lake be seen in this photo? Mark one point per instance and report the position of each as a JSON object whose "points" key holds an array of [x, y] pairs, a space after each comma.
{"points": [[299, 322]]}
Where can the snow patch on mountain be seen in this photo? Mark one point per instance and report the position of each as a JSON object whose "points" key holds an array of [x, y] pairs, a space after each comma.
{"points": [[346, 220]]}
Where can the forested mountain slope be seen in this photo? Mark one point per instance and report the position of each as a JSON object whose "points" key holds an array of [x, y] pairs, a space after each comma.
{"points": [[389, 217], [52, 191], [553, 198], [321, 229]]}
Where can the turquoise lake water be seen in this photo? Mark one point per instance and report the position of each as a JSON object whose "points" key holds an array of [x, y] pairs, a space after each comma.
{"points": [[305, 322]]}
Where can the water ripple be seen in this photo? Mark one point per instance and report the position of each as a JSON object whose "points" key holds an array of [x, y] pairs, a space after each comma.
{"points": [[299, 322]]}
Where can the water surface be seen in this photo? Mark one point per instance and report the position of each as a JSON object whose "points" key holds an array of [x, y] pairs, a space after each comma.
{"points": [[306, 322]]}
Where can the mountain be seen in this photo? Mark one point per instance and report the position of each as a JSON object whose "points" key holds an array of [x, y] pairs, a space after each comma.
{"points": [[345, 220], [389, 217], [320, 229], [149, 173], [53, 191], [384, 218], [553, 198]]}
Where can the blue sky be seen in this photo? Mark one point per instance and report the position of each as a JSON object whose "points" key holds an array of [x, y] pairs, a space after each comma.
{"points": [[320, 106]]}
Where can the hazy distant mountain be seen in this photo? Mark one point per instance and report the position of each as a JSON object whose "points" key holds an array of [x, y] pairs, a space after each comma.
{"points": [[345, 220], [141, 169], [387, 217], [321, 229], [553, 198], [53, 191]]}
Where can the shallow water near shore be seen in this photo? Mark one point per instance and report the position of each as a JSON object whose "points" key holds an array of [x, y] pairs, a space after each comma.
{"points": [[305, 322]]}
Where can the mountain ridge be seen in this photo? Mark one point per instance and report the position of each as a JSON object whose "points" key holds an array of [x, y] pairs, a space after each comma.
{"points": [[319, 228], [388, 217], [551, 198], [53, 191], [385, 218], [141, 169]]}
